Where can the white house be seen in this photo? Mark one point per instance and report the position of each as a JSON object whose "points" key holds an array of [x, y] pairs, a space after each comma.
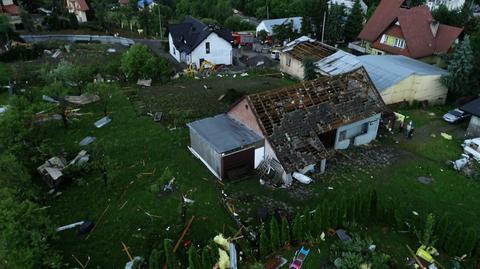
{"points": [[193, 42], [267, 25], [79, 8], [450, 4]]}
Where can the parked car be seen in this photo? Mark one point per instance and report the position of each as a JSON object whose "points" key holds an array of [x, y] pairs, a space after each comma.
{"points": [[471, 147], [456, 115]]}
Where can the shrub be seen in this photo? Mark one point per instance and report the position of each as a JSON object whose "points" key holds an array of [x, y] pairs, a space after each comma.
{"points": [[426, 237], [298, 232], [285, 232], [274, 234], [140, 63], [264, 244]]}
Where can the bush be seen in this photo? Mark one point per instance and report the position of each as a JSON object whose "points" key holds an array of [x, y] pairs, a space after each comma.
{"points": [[235, 24], [140, 63], [274, 234], [21, 53]]}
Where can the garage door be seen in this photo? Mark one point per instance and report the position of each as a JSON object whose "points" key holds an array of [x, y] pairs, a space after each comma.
{"points": [[238, 164]]}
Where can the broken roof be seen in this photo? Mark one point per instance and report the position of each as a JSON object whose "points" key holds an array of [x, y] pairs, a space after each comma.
{"points": [[472, 107], [293, 118], [399, 68], [224, 134], [338, 63], [415, 28], [188, 34], [269, 24]]}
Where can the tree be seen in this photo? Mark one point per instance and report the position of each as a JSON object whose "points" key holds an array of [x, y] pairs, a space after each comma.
{"points": [[426, 237], [462, 78], [5, 28], [274, 234], [207, 261], [105, 91], [354, 23], [25, 233], [265, 246], [138, 62], [313, 12], [442, 229], [307, 220], [317, 224], [284, 232], [193, 261], [455, 17], [284, 32], [454, 240], [234, 23], [154, 261], [170, 260], [334, 30], [262, 35], [298, 231], [27, 20], [309, 69], [469, 242], [58, 91]]}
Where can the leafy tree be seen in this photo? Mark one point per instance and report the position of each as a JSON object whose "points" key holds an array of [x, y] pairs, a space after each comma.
{"points": [[334, 30], [15, 176], [193, 260], [313, 12], [234, 23], [284, 32], [456, 17], [25, 233], [462, 78], [5, 28], [105, 91], [138, 62], [274, 234], [298, 231], [58, 91], [284, 232], [27, 20], [154, 261], [265, 246], [309, 69], [354, 23]]}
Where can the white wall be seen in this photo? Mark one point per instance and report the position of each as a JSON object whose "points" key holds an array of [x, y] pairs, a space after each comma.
{"points": [[354, 132], [416, 88], [173, 51], [220, 51], [296, 67], [261, 27]]}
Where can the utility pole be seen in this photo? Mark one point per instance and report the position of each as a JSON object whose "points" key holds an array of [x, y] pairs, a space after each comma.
{"points": [[323, 25], [268, 13]]}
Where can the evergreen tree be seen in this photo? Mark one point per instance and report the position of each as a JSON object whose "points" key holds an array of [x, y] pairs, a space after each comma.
{"points": [[285, 232], [264, 244], [169, 255], [326, 223], [373, 204], [354, 23], [207, 261], [453, 243], [462, 78], [298, 232], [193, 261], [154, 261], [441, 230], [426, 236], [335, 26], [317, 220], [469, 242], [274, 234], [307, 220]]}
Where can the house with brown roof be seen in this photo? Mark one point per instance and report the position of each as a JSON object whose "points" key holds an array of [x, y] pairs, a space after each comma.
{"points": [[9, 8], [79, 8], [291, 129], [412, 32]]}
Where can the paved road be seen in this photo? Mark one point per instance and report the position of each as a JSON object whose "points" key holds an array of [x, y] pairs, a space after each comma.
{"points": [[156, 47]]}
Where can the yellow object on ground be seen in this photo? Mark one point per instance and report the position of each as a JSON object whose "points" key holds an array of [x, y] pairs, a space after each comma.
{"points": [[422, 253], [399, 116], [224, 260], [222, 241], [446, 136]]}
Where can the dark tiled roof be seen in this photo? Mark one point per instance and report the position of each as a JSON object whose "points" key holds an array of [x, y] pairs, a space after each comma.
{"points": [[188, 34], [293, 118], [473, 107], [415, 27]]}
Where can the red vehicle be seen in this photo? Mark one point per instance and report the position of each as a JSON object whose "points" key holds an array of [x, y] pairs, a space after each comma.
{"points": [[243, 39]]}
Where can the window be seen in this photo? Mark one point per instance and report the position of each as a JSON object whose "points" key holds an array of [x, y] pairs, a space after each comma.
{"points": [[342, 136], [365, 128], [174, 51], [289, 61], [207, 47], [399, 43]]}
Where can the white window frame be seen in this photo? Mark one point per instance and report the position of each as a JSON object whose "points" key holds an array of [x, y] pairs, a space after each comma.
{"points": [[208, 48], [399, 43]]}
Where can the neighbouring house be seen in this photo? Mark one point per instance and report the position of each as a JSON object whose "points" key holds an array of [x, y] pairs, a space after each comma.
{"points": [[328, 60], [290, 129], [399, 78], [413, 32], [9, 8], [267, 25], [450, 4], [192, 42], [473, 108], [141, 4], [79, 8], [348, 4]]}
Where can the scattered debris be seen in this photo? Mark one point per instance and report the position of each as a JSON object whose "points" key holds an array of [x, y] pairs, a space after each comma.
{"points": [[471, 147], [51, 170], [111, 50], [102, 122], [342, 235], [260, 63], [86, 227], [83, 99], [221, 97], [56, 54], [415, 213], [3, 109], [49, 99], [87, 140], [133, 264], [188, 201], [446, 136], [70, 226], [302, 178], [48, 52], [425, 180], [244, 74], [81, 159], [67, 48], [157, 117], [144, 82]]}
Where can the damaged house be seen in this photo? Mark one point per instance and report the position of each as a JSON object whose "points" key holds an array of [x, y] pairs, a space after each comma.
{"points": [[292, 128]]}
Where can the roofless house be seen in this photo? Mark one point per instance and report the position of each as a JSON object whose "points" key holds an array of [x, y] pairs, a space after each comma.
{"points": [[291, 128]]}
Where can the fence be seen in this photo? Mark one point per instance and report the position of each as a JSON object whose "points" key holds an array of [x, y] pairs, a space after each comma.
{"points": [[79, 38]]}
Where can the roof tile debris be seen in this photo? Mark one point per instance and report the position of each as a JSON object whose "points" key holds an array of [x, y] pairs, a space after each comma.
{"points": [[294, 118]]}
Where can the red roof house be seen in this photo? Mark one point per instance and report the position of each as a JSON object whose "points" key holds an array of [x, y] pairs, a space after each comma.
{"points": [[411, 32], [79, 8]]}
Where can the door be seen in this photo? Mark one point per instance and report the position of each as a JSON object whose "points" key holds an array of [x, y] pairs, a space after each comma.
{"points": [[238, 164]]}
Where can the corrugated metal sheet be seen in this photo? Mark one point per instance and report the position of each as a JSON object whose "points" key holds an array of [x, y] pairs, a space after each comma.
{"points": [[338, 63]]}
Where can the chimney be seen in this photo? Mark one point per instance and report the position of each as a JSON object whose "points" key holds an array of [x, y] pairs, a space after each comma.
{"points": [[434, 27]]}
